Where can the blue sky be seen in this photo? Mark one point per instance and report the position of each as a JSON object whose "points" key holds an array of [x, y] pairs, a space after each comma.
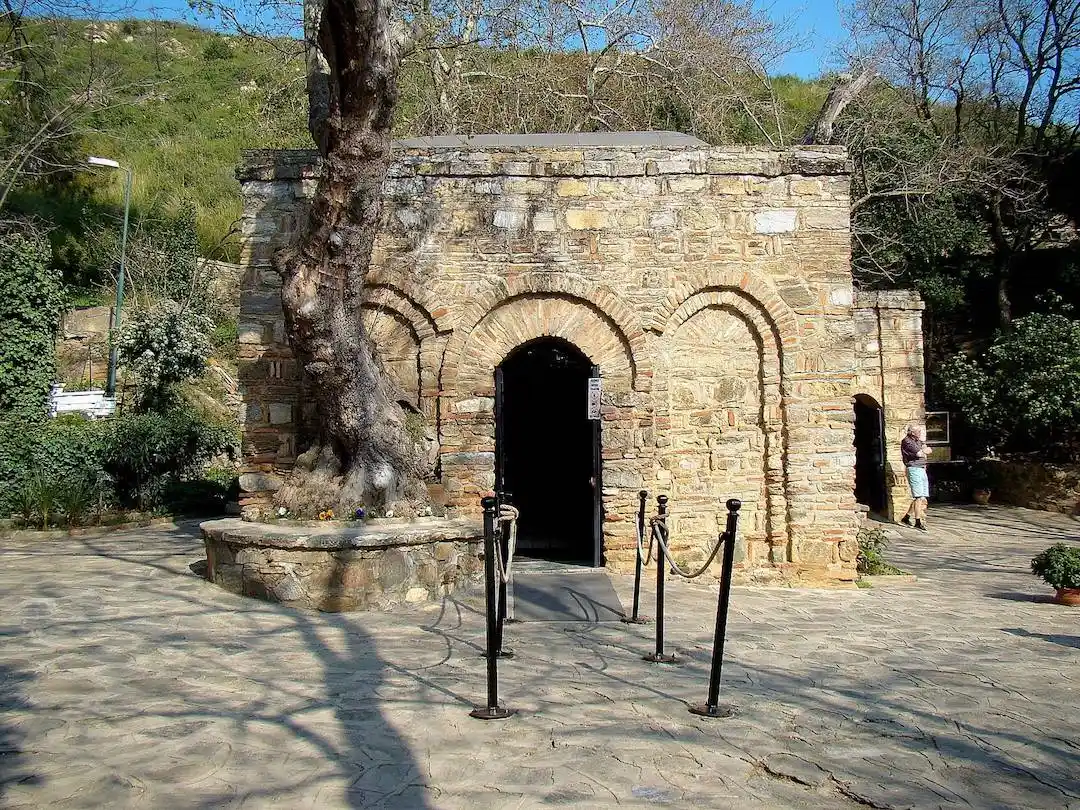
{"points": [[815, 21]]}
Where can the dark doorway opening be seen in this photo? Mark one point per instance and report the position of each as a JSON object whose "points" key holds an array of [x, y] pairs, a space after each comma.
{"points": [[869, 454], [547, 450]]}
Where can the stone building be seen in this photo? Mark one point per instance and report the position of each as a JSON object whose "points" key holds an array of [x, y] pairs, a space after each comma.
{"points": [[703, 293]]}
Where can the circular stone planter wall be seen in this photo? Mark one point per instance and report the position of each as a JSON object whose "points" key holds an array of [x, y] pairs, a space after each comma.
{"points": [[337, 568]]}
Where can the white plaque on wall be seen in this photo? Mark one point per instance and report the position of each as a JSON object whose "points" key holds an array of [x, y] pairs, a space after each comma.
{"points": [[594, 397]]}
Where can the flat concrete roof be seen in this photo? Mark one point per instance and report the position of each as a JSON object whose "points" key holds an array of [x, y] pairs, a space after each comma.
{"points": [[550, 140]]}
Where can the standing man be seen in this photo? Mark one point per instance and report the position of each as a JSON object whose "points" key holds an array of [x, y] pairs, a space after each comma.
{"points": [[914, 452]]}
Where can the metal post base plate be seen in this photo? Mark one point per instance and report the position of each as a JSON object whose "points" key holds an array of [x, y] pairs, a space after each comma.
{"points": [[505, 652], [660, 659], [720, 710], [638, 620], [496, 713]]}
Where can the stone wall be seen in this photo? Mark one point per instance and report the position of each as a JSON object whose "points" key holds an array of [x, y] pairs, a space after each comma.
{"points": [[1036, 485], [889, 371], [328, 568], [711, 286]]}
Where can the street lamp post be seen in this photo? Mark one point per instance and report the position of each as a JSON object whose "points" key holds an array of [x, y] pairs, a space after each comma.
{"points": [[110, 384]]}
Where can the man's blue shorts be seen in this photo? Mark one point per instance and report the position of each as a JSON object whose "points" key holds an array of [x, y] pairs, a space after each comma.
{"points": [[919, 483]]}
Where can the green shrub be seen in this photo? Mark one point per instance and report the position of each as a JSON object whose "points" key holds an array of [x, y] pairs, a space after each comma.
{"points": [[31, 302], [146, 453], [73, 468], [1024, 392], [217, 48], [871, 560], [1059, 566]]}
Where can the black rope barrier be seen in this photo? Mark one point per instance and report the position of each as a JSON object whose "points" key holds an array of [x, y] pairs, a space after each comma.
{"points": [[493, 711], [503, 601]]}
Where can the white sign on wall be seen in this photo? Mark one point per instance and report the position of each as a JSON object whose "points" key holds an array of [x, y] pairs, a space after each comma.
{"points": [[594, 397]]}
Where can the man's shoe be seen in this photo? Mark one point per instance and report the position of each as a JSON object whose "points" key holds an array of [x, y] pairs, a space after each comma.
{"points": [[906, 520], [919, 526]]}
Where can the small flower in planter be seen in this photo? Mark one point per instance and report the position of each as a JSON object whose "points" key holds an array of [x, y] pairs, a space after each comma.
{"points": [[282, 512], [389, 513], [326, 514], [359, 513]]}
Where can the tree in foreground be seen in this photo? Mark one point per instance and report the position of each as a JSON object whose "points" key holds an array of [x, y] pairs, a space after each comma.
{"points": [[364, 453]]}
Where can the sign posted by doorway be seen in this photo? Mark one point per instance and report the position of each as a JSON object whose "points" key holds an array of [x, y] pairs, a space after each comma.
{"points": [[594, 397]]}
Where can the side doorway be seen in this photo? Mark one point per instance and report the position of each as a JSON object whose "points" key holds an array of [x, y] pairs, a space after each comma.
{"points": [[870, 454], [547, 451]]}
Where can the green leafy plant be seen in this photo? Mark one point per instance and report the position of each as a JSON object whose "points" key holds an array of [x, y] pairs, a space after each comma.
{"points": [[24, 501], [31, 302], [1024, 392], [217, 48], [983, 474], [128, 461], [148, 452], [871, 560], [45, 492], [1059, 566], [77, 498]]}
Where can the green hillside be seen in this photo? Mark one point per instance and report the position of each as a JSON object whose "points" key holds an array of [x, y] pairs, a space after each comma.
{"points": [[181, 103]]}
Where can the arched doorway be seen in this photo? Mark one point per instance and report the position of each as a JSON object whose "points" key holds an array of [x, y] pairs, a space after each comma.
{"points": [[869, 453], [547, 450]]}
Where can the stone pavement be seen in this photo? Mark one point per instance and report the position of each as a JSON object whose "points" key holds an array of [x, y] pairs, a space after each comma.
{"points": [[125, 680]]}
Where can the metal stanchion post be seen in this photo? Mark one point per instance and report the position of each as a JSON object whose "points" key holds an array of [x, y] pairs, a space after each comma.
{"points": [[658, 657], [636, 617], [712, 707], [493, 711]]}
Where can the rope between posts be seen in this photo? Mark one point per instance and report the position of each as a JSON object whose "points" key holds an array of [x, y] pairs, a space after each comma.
{"points": [[645, 558], [659, 529], [507, 514]]}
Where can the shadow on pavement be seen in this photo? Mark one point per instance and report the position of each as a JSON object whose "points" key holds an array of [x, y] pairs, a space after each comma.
{"points": [[1053, 638], [15, 765], [167, 689]]}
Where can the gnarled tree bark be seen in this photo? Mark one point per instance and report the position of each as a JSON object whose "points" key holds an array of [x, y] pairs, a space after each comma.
{"points": [[365, 454]]}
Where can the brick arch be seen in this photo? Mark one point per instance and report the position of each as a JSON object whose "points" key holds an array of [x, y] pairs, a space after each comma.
{"points": [[382, 299], [392, 298], [472, 354], [754, 290], [773, 400], [602, 301], [766, 330]]}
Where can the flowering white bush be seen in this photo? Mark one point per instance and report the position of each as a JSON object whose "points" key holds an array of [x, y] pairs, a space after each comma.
{"points": [[164, 345]]}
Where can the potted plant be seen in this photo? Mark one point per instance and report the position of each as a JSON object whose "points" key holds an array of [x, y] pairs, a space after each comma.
{"points": [[981, 482], [1059, 566]]}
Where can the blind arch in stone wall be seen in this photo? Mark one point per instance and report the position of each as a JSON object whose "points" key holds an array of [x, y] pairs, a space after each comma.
{"points": [[770, 376]]}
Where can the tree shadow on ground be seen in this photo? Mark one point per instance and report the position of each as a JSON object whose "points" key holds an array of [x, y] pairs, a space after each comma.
{"points": [[15, 765], [175, 689], [1053, 638]]}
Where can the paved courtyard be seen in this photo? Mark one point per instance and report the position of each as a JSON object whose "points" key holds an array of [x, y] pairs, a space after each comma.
{"points": [[125, 680]]}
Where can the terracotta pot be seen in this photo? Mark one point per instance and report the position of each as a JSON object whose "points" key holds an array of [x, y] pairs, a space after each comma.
{"points": [[981, 496], [1068, 596]]}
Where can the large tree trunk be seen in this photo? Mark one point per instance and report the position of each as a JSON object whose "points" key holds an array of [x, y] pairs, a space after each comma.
{"points": [[365, 455]]}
